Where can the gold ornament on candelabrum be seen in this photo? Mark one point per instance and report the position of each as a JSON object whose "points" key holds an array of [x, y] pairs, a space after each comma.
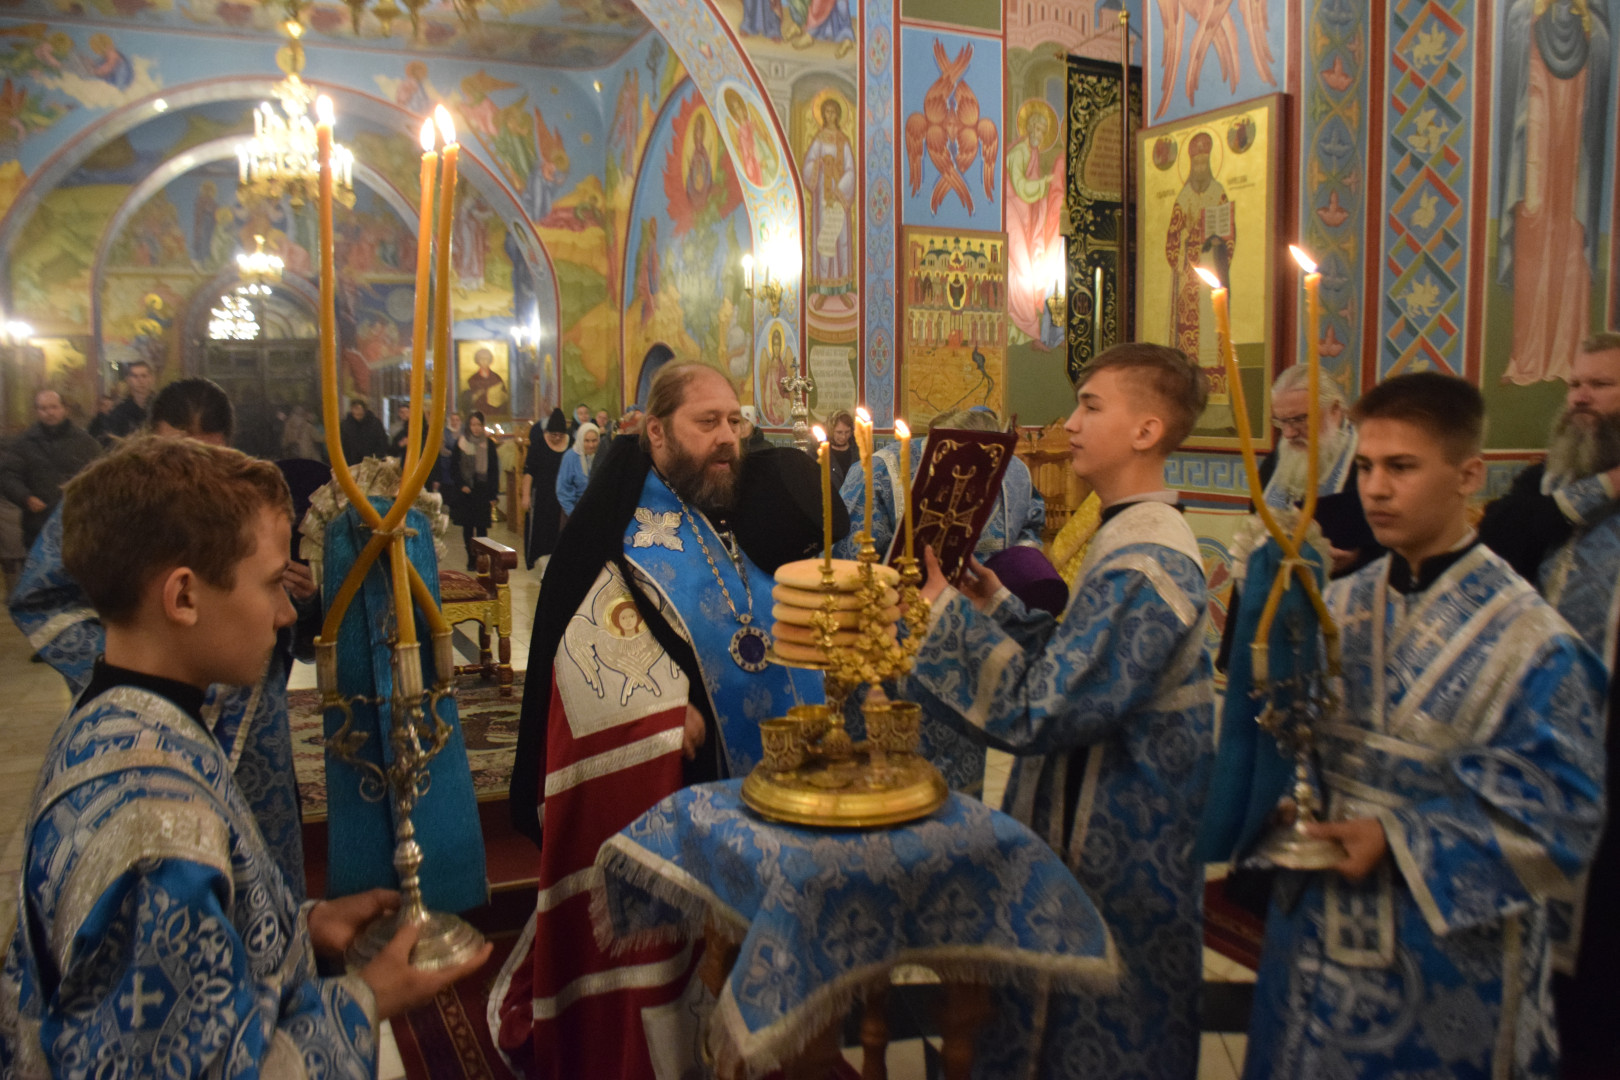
{"points": [[1296, 703], [813, 772], [416, 730]]}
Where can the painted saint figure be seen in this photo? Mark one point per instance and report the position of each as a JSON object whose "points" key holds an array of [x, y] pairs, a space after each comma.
{"points": [[1202, 233], [1034, 218], [700, 170], [485, 386], [1553, 132], [829, 178]]}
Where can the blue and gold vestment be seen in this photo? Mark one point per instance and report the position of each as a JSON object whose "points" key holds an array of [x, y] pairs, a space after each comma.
{"points": [[1111, 709], [156, 934], [1471, 729]]}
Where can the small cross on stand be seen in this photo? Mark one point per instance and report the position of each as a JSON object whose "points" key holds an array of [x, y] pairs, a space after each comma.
{"points": [[798, 387]]}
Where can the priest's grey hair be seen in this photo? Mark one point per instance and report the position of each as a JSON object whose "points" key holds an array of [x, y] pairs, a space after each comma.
{"points": [[1297, 377]]}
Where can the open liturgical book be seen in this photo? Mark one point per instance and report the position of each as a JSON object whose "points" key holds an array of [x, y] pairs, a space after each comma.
{"points": [[956, 487]]}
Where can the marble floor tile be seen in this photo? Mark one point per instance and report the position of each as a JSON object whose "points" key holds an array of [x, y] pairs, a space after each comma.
{"points": [[1214, 1063]]}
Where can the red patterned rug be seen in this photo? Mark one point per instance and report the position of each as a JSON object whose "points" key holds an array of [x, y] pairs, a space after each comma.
{"points": [[489, 724], [1229, 929], [449, 1039]]}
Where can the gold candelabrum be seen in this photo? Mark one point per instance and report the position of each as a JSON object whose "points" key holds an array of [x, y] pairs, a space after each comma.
{"points": [[416, 733], [813, 772]]}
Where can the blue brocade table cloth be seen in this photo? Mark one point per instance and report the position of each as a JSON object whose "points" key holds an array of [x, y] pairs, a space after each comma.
{"points": [[820, 915]]}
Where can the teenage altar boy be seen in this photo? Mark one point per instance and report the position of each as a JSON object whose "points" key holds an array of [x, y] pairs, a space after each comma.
{"points": [[1463, 775], [1111, 711], [157, 935]]}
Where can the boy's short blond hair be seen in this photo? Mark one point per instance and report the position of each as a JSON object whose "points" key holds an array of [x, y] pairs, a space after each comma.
{"points": [[156, 503], [1176, 385]]}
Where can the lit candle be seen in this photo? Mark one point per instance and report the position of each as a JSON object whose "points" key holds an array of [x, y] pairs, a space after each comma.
{"points": [[824, 457], [441, 271], [863, 444], [424, 291], [323, 144], [1313, 360], [903, 433], [748, 273]]}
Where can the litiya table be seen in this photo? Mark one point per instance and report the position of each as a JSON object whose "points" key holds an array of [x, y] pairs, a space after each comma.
{"points": [[803, 922]]}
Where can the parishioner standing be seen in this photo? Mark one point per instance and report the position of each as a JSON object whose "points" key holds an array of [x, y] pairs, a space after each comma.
{"points": [[1111, 710]]}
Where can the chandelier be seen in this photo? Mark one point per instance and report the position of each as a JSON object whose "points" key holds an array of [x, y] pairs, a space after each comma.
{"points": [[233, 319], [259, 270], [281, 159]]}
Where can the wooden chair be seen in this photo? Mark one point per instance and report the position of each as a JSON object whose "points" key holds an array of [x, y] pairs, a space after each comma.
{"points": [[484, 597]]}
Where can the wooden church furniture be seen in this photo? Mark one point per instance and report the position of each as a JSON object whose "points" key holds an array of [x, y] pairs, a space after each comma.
{"points": [[484, 597]]}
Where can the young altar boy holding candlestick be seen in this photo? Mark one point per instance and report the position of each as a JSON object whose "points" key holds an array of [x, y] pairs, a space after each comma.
{"points": [[156, 932], [1463, 774], [1111, 710]]}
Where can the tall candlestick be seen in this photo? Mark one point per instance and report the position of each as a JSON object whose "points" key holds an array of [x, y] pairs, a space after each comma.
{"points": [[903, 433], [441, 272], [1313, 360], [424, 291], [863, 443], [824, 457]]}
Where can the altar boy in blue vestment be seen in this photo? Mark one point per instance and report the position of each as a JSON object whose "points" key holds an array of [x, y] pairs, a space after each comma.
{"points": [[156, 935], [1463, 773], [1111, 711]]}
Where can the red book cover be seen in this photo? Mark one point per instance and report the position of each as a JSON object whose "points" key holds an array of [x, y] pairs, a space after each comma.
{"points": [[955, 487]]}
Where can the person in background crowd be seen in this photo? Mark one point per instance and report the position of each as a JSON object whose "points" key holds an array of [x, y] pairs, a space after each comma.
{"points": [[582, 415], [574, 475], [630, 422], [539, 492], [844, 452], [362, 434], [129, 415], [39, 461], [97, 427], [442, 480], [604, 423], [752, 437], [300, 437], [475, 470]]}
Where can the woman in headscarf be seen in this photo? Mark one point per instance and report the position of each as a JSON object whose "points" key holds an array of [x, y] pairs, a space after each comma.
{"points": [[475, 470], [539, 492], [574, 475]]}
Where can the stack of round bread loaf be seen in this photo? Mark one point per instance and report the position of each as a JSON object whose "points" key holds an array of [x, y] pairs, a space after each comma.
{"points": [[799, 594]]}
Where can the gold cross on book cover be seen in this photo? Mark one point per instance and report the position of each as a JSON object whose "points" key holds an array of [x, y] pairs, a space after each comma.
{"points": [[956, 487]]}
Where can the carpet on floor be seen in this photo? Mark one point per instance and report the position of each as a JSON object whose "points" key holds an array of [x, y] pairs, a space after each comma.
{"points": [[489, 724]]}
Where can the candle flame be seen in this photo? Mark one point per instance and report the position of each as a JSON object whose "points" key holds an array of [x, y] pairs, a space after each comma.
{"points": [[901, 431], [862, 415], [427, 136], [1306, 263], [323, 110], [748, 264], [447, 126], [819, 432], [1209, 279]]}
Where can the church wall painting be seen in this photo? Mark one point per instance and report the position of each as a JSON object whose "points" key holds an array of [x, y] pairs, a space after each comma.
{"points": [[1428, 191], [950, 105], [877, 372], [820, 30], [1088, 28], [1207, 196], [974, 14], [1333, 173], [688, 232], [1202, 56], [1546, 265], [484, 378], [954, 318]]}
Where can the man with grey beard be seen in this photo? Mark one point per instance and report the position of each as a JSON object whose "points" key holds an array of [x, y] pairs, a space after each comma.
{"points": [[1560, 528]]}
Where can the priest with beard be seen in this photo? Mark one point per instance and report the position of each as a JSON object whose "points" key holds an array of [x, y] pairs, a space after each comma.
{"points": [[647, 672], [1559, 526], [1283, 476]]}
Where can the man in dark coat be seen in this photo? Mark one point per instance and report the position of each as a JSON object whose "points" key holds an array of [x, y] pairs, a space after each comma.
{"points": [[129, 415], [362, 433], [42, 459]]}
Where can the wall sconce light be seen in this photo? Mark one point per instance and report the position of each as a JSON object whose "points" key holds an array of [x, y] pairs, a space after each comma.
{"points": [[15, 332], [1056, 303], [527, 338], [769, 292]]}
